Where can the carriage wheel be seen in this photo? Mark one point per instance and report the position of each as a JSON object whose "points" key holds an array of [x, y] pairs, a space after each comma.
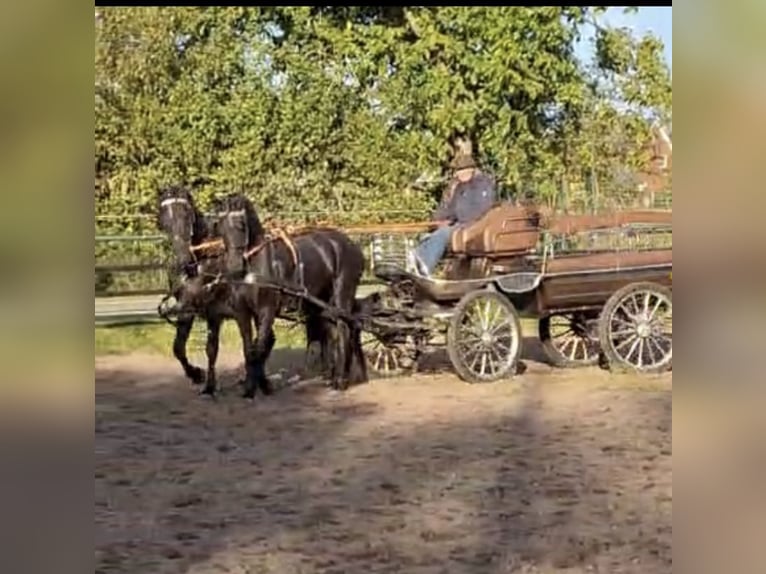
{"points": [[636, 328], [387, 361], [484, 337], [570, 339]]}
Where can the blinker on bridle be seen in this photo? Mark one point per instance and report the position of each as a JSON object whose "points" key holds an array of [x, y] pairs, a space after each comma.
{"points": [[171, 201]]}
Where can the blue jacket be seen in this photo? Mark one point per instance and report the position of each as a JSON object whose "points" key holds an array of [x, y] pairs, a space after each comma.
{"points": [[469, 201]]}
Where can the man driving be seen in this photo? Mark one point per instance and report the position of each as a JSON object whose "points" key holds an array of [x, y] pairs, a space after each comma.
{"points": [[468, 196]]}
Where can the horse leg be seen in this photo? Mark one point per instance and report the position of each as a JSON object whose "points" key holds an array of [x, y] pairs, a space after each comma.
{"points": [[341, 356], [211, 349], [340, 343], [183, 330], [326, 345], [329, 335], [245, 326], [330, 342], [237, 307], [350, 356], [357, 370], [317, 331], [313, 335], [321, 330], [260, 351]]}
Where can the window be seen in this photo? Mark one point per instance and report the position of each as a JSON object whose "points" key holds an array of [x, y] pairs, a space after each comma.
{"points": [[663, 163]]}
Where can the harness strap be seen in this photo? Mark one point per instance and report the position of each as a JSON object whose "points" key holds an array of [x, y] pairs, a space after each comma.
{"points": [[212, 243], [278, 234]]}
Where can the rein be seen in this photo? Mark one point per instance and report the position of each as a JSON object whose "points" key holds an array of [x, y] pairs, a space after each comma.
{"points": [[211, 244]]}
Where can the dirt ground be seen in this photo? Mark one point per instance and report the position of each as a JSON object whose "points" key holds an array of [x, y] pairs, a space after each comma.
{"points": [[556, 471]]}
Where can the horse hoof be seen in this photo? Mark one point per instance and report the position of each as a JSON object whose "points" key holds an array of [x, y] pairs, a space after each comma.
{"points": [[267, 390], [197, 376], [250, 395], [208, 392], [265, 385]]}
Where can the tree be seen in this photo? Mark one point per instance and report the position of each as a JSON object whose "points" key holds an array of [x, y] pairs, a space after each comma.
{"points": [[336, 110]]}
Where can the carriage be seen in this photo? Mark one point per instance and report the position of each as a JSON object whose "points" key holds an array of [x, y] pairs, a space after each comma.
{"points": [[604, 279]]}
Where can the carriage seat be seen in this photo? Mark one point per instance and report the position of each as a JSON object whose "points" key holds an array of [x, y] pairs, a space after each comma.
{"points": [[506, 229]]}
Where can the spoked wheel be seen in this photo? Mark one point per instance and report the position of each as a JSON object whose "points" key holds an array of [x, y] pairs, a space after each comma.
{"points": [[484, 337], [570, 339], [387, 361], [636, 328]]}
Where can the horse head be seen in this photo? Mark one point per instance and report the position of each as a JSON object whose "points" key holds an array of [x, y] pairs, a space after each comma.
{"points": [[179, 218], [240, 228]]}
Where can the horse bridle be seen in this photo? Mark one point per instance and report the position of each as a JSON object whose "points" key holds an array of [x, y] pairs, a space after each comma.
{"points": [[230, 215], [169, 203], [276, 235], [193, 249]]}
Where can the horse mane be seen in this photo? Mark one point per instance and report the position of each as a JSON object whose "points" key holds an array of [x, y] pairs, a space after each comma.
{"points": [[200, 229], [239, 201]]}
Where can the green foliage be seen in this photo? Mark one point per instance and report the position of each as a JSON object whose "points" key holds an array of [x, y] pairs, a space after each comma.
{"points": [[157, 338], [338, 110]]}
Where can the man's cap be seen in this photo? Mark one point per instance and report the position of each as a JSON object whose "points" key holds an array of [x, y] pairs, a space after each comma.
{"points": [[463, 162]]}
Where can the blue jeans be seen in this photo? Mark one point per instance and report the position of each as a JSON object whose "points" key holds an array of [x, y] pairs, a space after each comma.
{"points": [[431, 250]]}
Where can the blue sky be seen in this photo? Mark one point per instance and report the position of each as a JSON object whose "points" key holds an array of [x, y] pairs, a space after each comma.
{"points": [[657, 20]]}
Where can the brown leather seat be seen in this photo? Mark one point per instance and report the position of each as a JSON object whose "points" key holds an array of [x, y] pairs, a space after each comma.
{"points": [[505, 229]]}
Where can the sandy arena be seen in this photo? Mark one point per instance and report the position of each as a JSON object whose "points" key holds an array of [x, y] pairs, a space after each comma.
{"points": [[557, 471]]}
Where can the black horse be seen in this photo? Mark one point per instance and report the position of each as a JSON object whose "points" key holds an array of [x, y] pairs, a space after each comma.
{"points": [[324, 263], [191, 275], [191, 269]]}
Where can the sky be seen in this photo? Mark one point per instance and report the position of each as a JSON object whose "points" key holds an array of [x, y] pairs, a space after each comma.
{"points": [[657, 20]]}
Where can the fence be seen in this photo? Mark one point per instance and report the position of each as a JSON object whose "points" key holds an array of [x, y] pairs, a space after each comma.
{"points": [[141, 268]]}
